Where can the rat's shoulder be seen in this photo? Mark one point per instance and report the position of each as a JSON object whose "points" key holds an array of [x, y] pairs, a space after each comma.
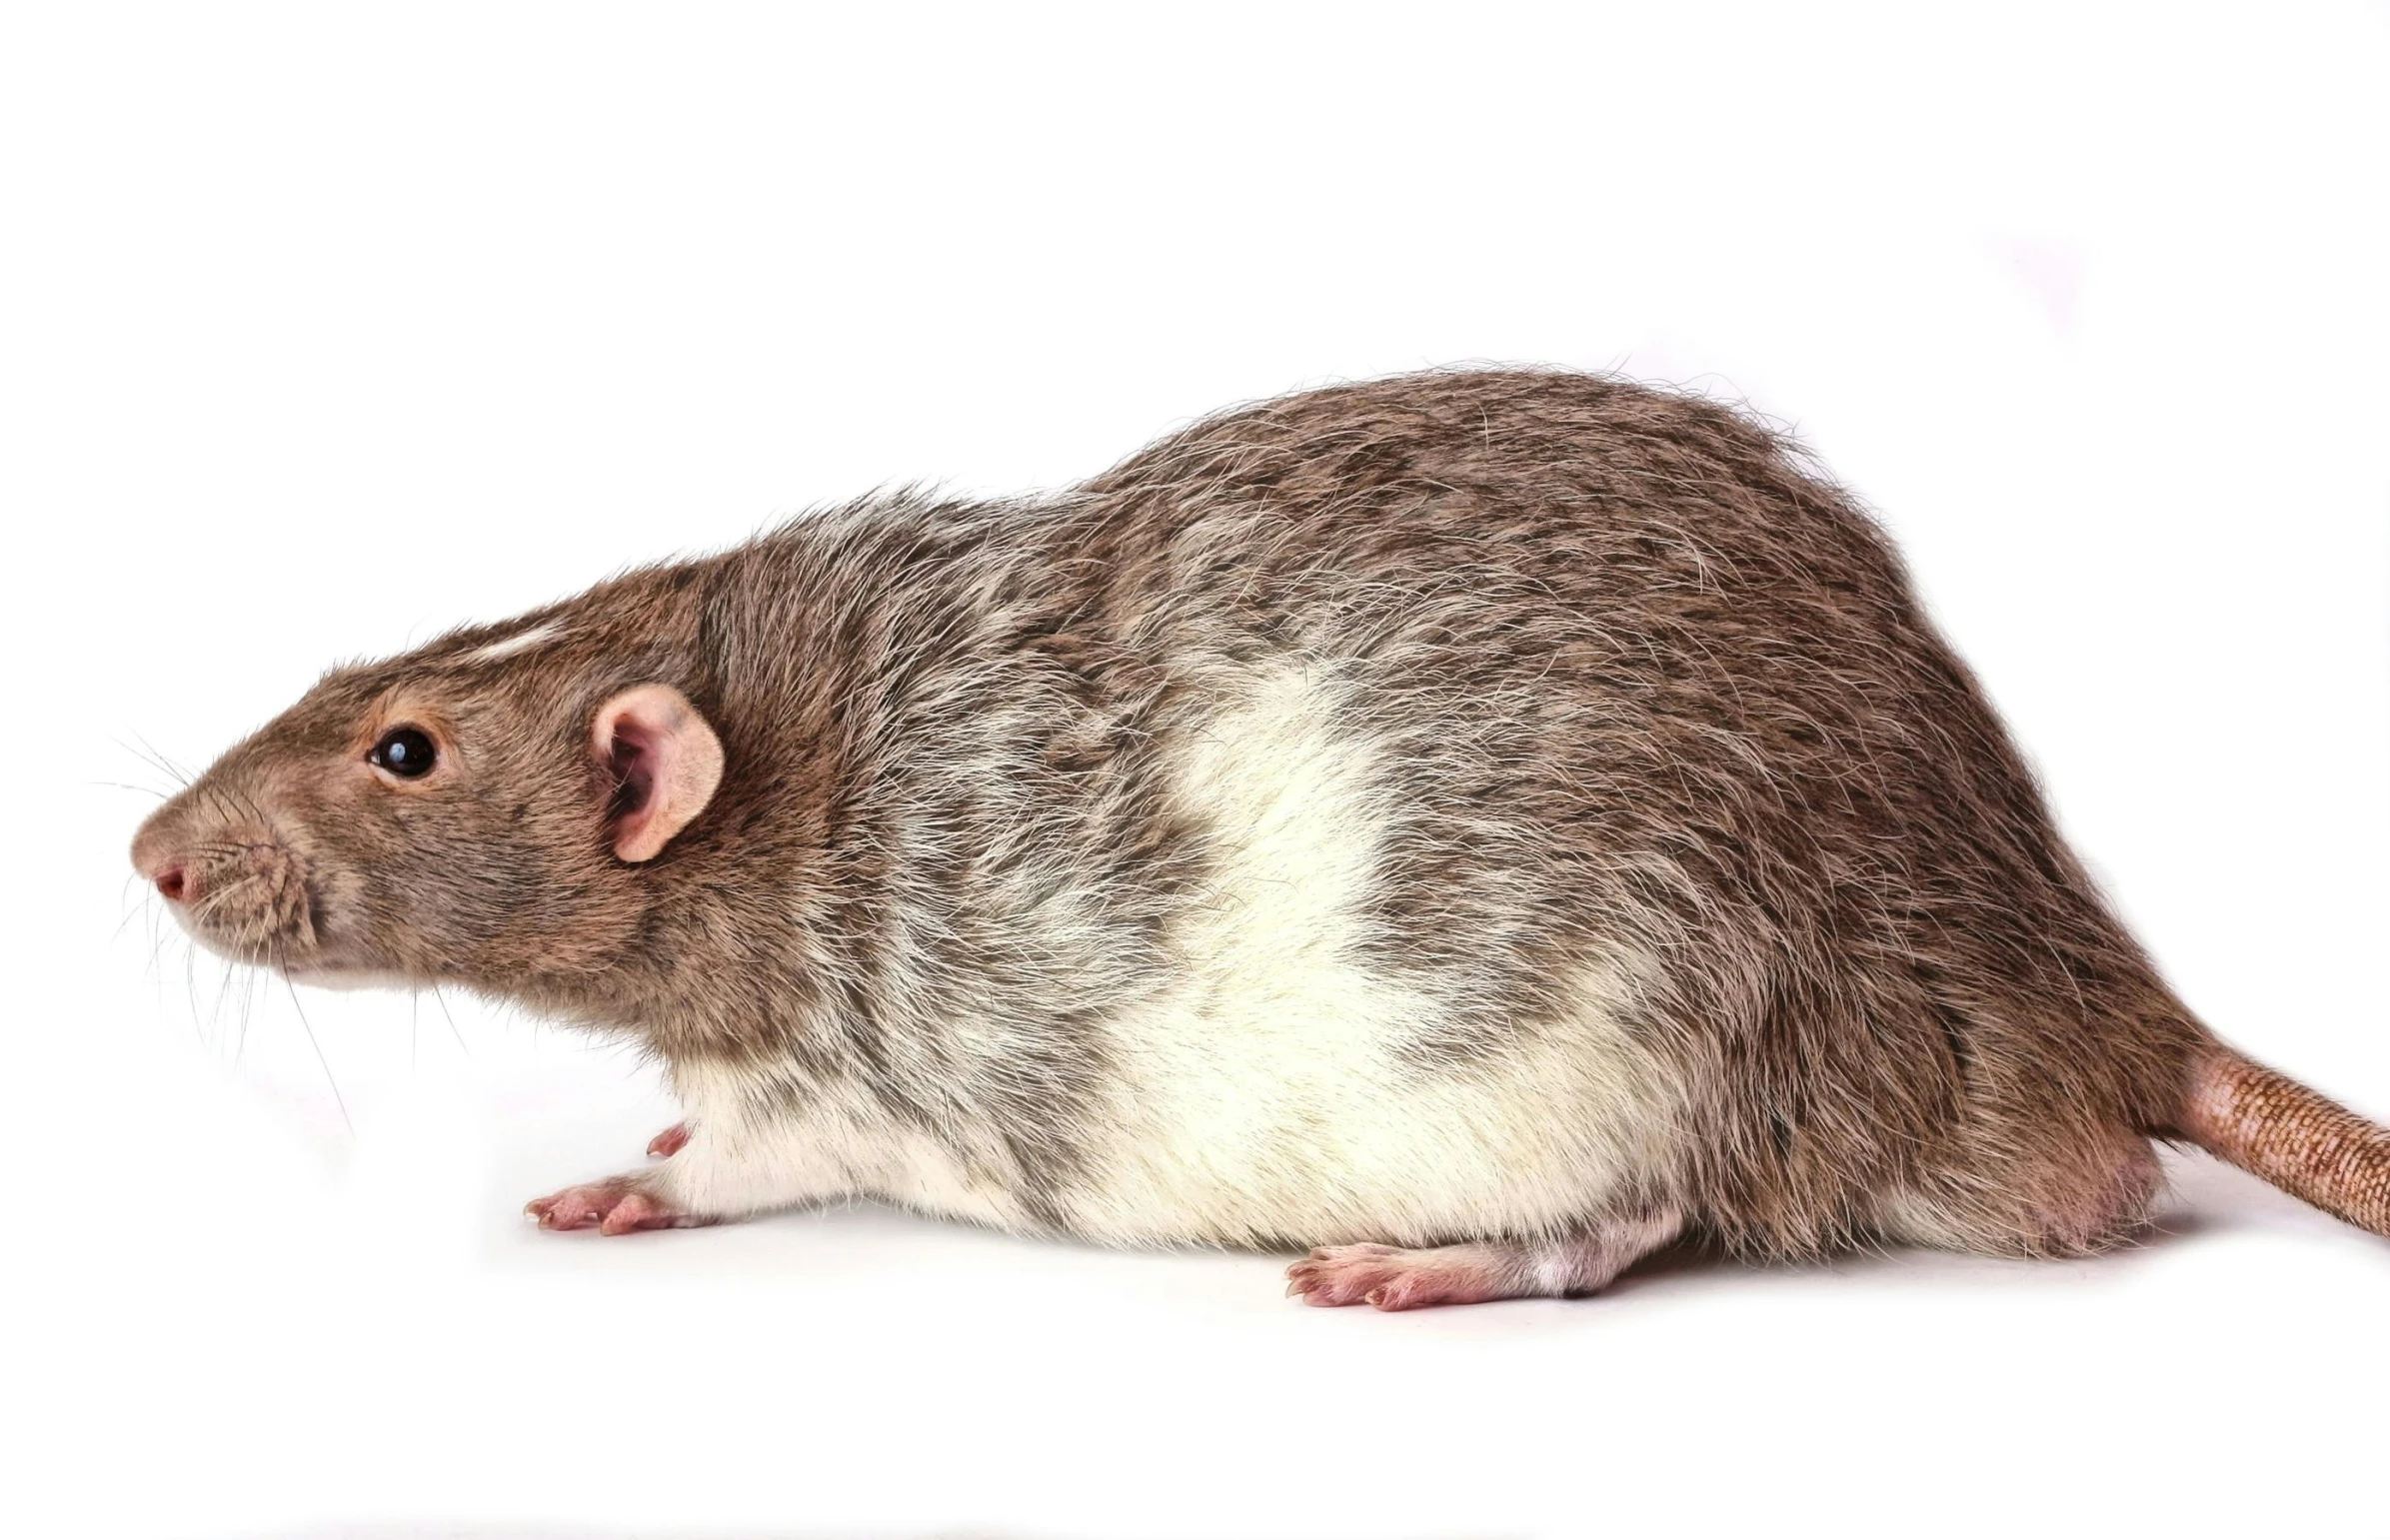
{"points": [[902, 548]]}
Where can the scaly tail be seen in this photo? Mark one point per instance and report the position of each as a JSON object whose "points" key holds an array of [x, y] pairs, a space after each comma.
{"points": [[2303, 1142]]}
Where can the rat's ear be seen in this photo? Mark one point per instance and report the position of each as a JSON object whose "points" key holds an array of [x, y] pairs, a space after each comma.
{"points": [[665, 761]]}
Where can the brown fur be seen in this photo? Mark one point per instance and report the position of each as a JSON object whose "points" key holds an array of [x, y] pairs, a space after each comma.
{"points": [[1645, 680]]}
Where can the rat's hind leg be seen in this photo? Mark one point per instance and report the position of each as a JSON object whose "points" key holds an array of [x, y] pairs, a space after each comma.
{"points": [[1398, 1278], [2073, 1195]]}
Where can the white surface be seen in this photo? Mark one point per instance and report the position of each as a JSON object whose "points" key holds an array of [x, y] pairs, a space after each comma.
{"points": [[324, 327]]}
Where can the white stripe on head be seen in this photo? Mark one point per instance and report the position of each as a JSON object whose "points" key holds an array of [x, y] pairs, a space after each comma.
{"points": [[508, 646]]}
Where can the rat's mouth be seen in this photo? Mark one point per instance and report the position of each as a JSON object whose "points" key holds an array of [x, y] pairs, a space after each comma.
{"points": [[248, 899]]}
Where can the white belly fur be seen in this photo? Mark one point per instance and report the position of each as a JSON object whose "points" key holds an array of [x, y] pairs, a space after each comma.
{"points": [[1261, 1098], [743, 1158]]}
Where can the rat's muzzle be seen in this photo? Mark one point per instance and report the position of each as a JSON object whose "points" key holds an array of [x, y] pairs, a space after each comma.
{"points": [[235, 886]]}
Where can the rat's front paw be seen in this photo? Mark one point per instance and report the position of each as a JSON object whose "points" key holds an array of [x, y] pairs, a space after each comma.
{"points": [[667, 1143], [615, 1207]]}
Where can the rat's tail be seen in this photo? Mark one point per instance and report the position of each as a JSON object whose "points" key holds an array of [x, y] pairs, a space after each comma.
{"points": [[2303, 1142]]}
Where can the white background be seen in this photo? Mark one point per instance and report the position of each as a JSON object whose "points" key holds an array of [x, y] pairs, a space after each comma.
{"points": [[325, 327]]}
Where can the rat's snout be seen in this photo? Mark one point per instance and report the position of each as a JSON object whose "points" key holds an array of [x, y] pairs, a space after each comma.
{"points": [[230, 881]]}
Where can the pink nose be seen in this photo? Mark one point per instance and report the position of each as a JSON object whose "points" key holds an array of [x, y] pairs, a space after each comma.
{"points": [[173, 882]]}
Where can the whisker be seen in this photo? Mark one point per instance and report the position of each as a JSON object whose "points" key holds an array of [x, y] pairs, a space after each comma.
{"points": [[235, 886], [149, 913], [122, 785], [216, 1011], [326, 1064], [441, 1001], [177, 771], [211, 901], [153, 759], [191, 991], [134, 908], [157, 950], [248, 805], [248, 1009]]}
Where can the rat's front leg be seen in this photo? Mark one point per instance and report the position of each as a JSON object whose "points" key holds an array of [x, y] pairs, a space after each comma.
{"points": [[713, 1169], [617, 1206]]}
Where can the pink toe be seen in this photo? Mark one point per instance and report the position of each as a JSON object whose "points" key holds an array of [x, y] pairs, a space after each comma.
{"points": [[636, 1211]]}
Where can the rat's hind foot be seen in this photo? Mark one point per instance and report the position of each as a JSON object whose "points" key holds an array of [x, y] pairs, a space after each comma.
{"points": [[667, 1143], [1395, 1278], [615, 1207], [1392, 1278]]}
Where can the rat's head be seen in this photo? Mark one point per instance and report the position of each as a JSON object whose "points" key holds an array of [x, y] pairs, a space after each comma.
{"points": [[475, 812]]}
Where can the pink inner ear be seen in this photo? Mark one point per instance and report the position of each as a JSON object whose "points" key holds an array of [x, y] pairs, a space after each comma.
{"points": [[633, 769], [665, 761]]}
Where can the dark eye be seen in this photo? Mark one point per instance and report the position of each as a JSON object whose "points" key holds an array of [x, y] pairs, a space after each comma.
{"points": [[404, 751]]}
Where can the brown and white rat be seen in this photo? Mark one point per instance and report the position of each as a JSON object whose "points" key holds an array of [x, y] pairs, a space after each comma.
{"points": [[1486, 826]]}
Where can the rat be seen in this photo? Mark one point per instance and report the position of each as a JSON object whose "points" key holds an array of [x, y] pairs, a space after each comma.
{"points": [[1477, 829]]}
